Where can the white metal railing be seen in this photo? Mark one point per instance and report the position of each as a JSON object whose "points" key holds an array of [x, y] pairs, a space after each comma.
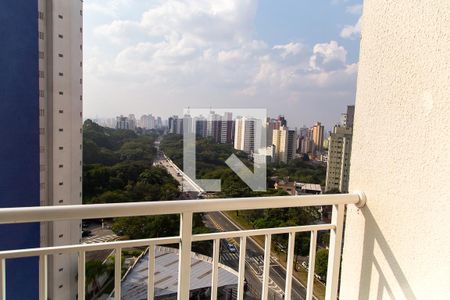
{"points": [[186, 209]]}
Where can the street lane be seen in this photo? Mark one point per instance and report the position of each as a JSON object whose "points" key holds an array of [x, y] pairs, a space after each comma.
{"points": [[254, 253]]}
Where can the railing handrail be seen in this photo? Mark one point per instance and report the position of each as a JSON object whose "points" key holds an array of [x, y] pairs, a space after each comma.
{"points": [[185, 209], [128, 209]]}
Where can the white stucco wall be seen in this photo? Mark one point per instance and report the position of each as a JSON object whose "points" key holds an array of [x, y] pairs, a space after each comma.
{"points": [[398, 246]]}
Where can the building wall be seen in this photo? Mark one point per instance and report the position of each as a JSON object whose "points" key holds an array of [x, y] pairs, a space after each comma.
{"points": [[396, 247], [19, 129], [338, 164], [60, 105]]}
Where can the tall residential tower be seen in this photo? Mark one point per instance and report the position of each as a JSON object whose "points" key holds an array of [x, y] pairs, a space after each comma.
{"points": [[41, 100]]}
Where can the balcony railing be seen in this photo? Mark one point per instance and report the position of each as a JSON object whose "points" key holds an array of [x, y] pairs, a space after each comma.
{"points": [[186, 209]]}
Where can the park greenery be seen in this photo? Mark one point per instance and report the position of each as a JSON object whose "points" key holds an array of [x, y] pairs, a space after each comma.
{"points": [[210, 164], [118, 167]]}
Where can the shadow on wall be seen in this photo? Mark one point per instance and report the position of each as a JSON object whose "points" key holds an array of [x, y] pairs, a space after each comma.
{"points": [[375, 241]]}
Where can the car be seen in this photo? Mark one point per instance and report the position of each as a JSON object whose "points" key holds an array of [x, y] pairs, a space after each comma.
{"points": [[231, 248], [305, 265]]}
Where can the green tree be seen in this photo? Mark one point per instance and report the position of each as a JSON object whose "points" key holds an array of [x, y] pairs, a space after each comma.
{"points": [[94, 270], [322, 263]]}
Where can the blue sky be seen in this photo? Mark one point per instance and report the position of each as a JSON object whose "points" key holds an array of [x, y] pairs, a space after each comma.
{"points": [[292, 57]]}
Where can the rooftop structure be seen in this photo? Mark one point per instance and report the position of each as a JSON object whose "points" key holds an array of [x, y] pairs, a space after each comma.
{"points": [[134, 284]]}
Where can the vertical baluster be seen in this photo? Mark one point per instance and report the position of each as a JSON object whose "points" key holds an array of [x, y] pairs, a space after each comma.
{"points": [[184, 271], [266, 272], [289, 266], [43, 277], [215, 268], [117, 274], [2, 279], [151, 272], [334, 256], [81, 274], [242, 250], [312, 262]]}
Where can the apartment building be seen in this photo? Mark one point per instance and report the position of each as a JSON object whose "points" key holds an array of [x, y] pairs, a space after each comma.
{"points": [[244, 136], [339, 153], [44, 150], [285, 144]]}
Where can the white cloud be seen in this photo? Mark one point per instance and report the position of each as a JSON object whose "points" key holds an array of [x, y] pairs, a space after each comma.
{"points": [[200, 50], [328, 56], [351, 31], [289, 49]]}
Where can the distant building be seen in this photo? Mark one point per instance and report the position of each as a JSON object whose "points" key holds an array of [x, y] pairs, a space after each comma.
{"points": [[287, 186], [214, 126], [270, 126], [350, 116], [317, 137], [227, 129], [285, 144], [123, 122], [132, 121], [173, 124], [347, 117], [281, 122], [306, 145], [147, 122], [244, 136], [201, 126], [338, 165], [159, 123], [308, 188]]}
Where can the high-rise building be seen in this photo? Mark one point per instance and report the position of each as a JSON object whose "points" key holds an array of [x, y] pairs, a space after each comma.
{"points": [[173, 124], [227, 128], [159, 123], [317, 137], [147, 122], [338, 165], [271, 124], [347, 117], [350, 116], [201, 126], [339, 153], [285, 144], [244, 137], [214, 126], [281, 121], [123, 122], [41, 94]]}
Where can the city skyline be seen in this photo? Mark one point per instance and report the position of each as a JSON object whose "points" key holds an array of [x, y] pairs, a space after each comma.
{"points": [[299, 59]]}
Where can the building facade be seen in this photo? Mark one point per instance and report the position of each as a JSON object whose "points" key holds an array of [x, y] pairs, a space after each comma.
{"points": [[42, 88], [244, 137], [317, 137], [60, 120], [338, 165], [285, 144]]}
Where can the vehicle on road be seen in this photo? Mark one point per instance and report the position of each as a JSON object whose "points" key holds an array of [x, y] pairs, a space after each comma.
{"points": [[231, 248], [305, 265]]}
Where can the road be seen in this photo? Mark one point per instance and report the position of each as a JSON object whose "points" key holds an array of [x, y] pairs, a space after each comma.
{"points": [[98, 235], [254, 253]]}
